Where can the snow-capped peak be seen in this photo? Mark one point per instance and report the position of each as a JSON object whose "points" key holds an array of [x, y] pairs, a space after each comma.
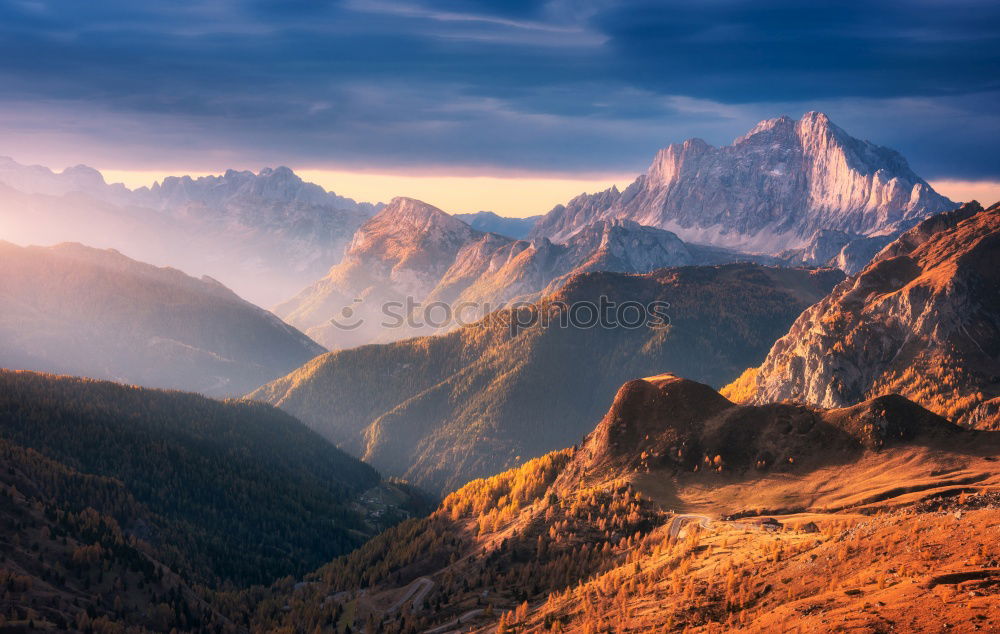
{"points": [[769, 191]]}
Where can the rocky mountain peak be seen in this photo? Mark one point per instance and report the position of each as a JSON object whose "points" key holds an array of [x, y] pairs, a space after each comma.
{"points": [[417, 215], [814, 123], [85, 175], [768, 127], [410, 225], [768, 192], [281, 172], [667, 164]]}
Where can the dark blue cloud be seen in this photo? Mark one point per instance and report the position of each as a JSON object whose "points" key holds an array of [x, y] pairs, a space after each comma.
{"points": [[740, 51], [559, 85]]}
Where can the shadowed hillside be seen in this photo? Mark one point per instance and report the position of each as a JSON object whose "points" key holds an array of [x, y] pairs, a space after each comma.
{"points": [[223, 490], [443, 410], [80, 558]]}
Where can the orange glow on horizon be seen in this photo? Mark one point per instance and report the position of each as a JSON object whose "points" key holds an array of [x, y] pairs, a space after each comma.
{"points": [[507, 195], [986, 192]]}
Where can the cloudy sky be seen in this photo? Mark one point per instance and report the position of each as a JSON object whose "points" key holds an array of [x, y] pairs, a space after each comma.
{"points": [[474, 104]]}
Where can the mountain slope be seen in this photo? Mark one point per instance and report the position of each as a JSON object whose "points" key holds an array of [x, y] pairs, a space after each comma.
{"points": [[229, 490], [682, 510], [76, 310], [496, 275], [472, 402], [922, 320], [769, 191], [266, 234]]}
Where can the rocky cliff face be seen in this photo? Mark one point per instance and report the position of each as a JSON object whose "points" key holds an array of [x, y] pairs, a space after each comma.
{"points": [[771, 190], [922, 320]]}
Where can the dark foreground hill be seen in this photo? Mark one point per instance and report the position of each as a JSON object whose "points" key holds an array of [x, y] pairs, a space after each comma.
{"points": [[445, 409], [71, 560], [216, 491]]}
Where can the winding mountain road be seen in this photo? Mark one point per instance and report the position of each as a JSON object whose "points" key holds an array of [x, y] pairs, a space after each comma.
{"points": [[465, 618], [416, 592], [678, 522]]}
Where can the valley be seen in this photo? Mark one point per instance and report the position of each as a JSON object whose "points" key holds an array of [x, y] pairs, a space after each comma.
{"points": [[485, 397]]}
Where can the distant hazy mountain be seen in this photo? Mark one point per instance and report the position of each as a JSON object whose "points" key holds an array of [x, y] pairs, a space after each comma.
{"points": [[36, 179], [72, 309], [770, 191], [442, 410], [412, 249], [266, 235], [922, 320], [490, 222]]}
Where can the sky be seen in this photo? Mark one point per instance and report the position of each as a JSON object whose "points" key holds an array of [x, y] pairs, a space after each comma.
{"points": [[470, 104]]}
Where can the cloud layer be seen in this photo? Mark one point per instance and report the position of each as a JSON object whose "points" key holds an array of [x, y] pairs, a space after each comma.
{"points": [[557, 86]]}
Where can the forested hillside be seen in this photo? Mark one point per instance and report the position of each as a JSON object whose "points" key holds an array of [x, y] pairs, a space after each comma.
{"points": [[230, 491], [75, 554]]}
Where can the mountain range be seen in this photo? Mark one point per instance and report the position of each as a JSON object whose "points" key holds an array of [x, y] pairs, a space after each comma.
{"points": [[414, 252], [71, 309], [922, 320], [844, 478], [440, 410], [801, 192], [770, 191], [266, 234], [796, 193]]}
